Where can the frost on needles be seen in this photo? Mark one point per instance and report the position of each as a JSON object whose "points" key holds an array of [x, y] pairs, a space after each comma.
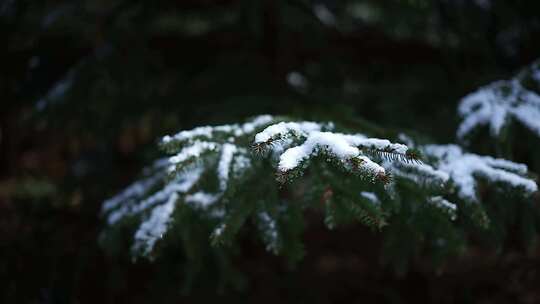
{"points": [[233, 174]]}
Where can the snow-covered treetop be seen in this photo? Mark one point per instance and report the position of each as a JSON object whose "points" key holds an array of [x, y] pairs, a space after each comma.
{"points": [[222, 173], [500, 102]]}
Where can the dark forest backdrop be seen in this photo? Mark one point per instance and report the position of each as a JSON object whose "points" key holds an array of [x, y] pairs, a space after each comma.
{"points": [[86, 88]]}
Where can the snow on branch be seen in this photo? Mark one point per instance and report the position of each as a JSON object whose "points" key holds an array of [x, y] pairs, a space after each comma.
{"points": [[178, 179], [155, 226], [182, 183], [463, 168], [284, 129], [351, 151], [209, 132], [371, 196], [442, 204], [444, 164], [449, 163], [211, 171], [283, 134], [418, 173], [500, 102], [137, 190], [268, 227]]}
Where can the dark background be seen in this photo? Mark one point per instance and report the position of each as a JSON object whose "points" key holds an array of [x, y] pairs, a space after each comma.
{"points": [[88, 86]]}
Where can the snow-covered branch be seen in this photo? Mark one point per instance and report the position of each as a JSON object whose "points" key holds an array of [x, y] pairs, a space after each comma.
{"points": [[178, 179], [464, 168], [352, 151], [212, 171], [498, 103]]}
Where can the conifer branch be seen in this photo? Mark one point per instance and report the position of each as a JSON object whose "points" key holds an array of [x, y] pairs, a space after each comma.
{"points": [[211, 172], [502, 102]]}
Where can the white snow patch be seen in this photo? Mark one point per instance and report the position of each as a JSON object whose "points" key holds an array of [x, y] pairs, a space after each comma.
{"points": [[138, 189], [417, 172], [335, 144], [224, 165], [270, 231], [241, 162], [371, 196], [283, 129], [463, 167], [182, 184], [194, 150], [153, 228], [445, 205], [205, 131], [201, 199], [341, 146], [494, 104], [208, 131], [135, 191]]}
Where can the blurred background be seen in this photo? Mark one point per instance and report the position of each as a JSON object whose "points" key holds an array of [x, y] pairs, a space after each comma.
{"points": [[87, 87]]}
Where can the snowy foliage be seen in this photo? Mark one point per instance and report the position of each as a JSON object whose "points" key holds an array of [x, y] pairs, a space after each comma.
{"points": [[441, 203], [179, 177], [225, 173], [269, 230], [498, 103], [463, 169], [352, 151], [372, 197], [420, 173], [449, 163]]}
